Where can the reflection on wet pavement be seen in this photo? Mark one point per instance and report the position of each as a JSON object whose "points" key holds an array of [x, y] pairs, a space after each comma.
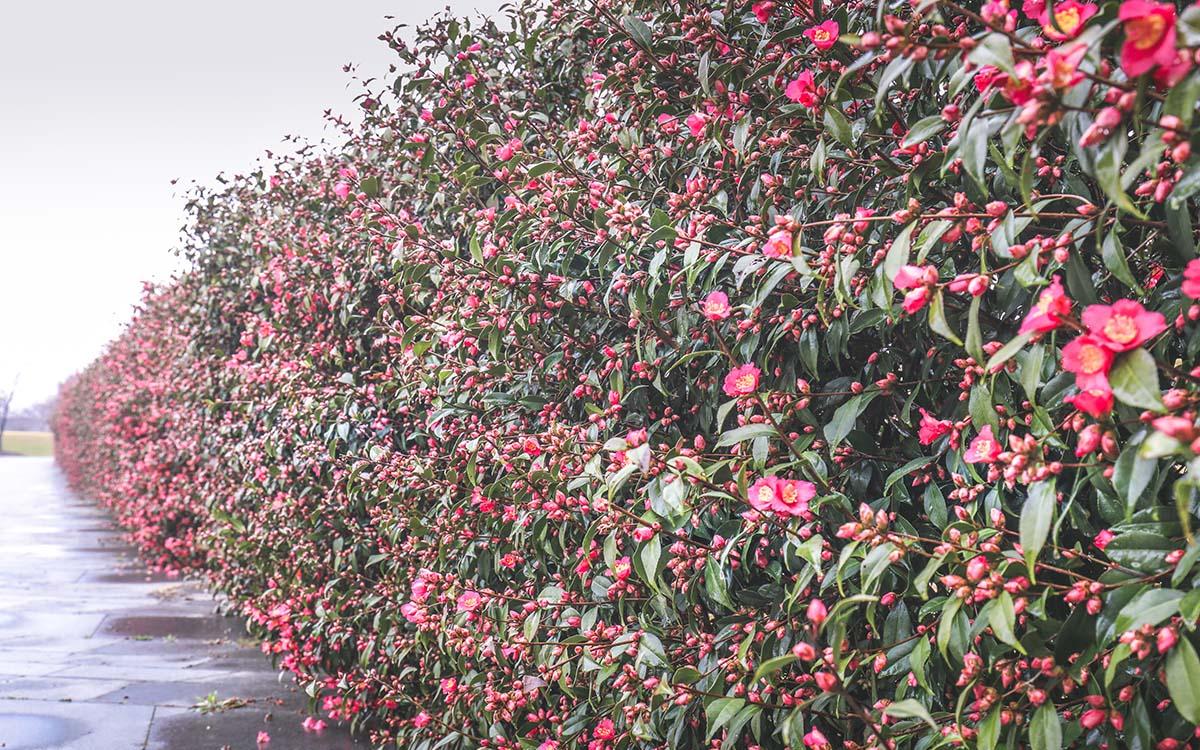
{"points": [[96, 653]]}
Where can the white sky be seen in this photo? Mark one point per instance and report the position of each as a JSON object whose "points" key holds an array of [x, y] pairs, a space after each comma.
{"points": [[103, 103]]}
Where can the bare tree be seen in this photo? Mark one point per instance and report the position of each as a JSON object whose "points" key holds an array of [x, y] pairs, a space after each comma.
{"points": [[5, 402]]}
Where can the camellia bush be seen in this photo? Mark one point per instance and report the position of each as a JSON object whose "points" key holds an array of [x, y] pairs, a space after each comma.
{"points": [[701, 374]]}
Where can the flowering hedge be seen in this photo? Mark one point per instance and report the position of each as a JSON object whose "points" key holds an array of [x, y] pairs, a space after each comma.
{"points": [[702, 374]]}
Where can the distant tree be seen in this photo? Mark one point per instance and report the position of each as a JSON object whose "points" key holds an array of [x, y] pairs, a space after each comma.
{"points": [[6, 398]]}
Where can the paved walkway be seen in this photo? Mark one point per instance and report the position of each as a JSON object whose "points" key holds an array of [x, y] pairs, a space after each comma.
{"points": [[97, 654]]}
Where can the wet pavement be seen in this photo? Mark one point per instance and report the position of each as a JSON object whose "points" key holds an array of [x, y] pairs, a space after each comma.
{"points": [[98, 654]]}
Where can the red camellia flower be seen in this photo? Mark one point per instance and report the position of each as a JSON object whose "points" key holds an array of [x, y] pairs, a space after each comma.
{"points": [[762, 10], [1053, 304], [802, 90], [1069, 19], [1102, 539], [931, 429], [742, 381], [622, 568], [1123, 325], [824, 35], [696, 123], [984, 448], [1191, 279], [716, 306], [605, 730], [1149, 35], [1090, 360]]}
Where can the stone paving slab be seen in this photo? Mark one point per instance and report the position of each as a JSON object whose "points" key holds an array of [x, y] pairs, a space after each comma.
{"points": [[97, 653]]}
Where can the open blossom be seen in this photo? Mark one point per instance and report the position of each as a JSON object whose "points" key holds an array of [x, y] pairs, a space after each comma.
{"points": [[1069, 19], [792, 496], [622, 568], [919, 281], [763, 493], [762, 10], [716, 306], [312, 724], [742, 381], [1089, 359], [1102, 539], [1191, 279], [1149, 35], [815, 740], [1062, 66], [508, 150], [824, 35], [778, 245], [1052, 306], [803, 90], [604, 730], [1123, 325], [668, 123], [696, 123], [341, 189], [469, 601], [931, 429], [262, 739], [984, 448], [1096, 401]]}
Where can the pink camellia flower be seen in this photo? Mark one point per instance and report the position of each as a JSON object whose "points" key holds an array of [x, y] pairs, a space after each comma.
{"points": [[1124, 324], [762, 10], [1191, 279], [1052, 306], [1097, 401], [668, 123], [1090, 360], [931, 429], [1180, 428], [911, 277], [1093, 718], [778, 245], [916, 299], [263, 738], [469, 601], [803, 90], [1165, 639], [716, 306], [1069, 19], [984, 448], [792, 496], [1034, 8], [1062, 66], [1149, 35], [422, 720], [1171, 74], [313, 724], [742, 381], [341, 189], [817, 612], [823, 36], [764, 493], [814, 740], [604, 730], [622, 568], [1102, 539], [696, 123], [508, 150]]}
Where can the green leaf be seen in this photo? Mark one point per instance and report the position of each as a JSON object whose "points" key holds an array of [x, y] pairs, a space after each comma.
{"points": [[1045, 729], [720, 711], [993, 49], [1003, 618], [923, 130], [1108, 175], [837, 126], [937, 319], [1183, 680], [897, 255], [638, 31], [1114, 260], [1150, 607], [1134, 380], [910, 709], [771, 666], [1037, 515], [714, 583], [1008, 351], [989, 731], [744, 433], [845, 416]]}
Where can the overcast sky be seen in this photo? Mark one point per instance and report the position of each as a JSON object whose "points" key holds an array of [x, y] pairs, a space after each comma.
{"points": [[103, 103]]}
